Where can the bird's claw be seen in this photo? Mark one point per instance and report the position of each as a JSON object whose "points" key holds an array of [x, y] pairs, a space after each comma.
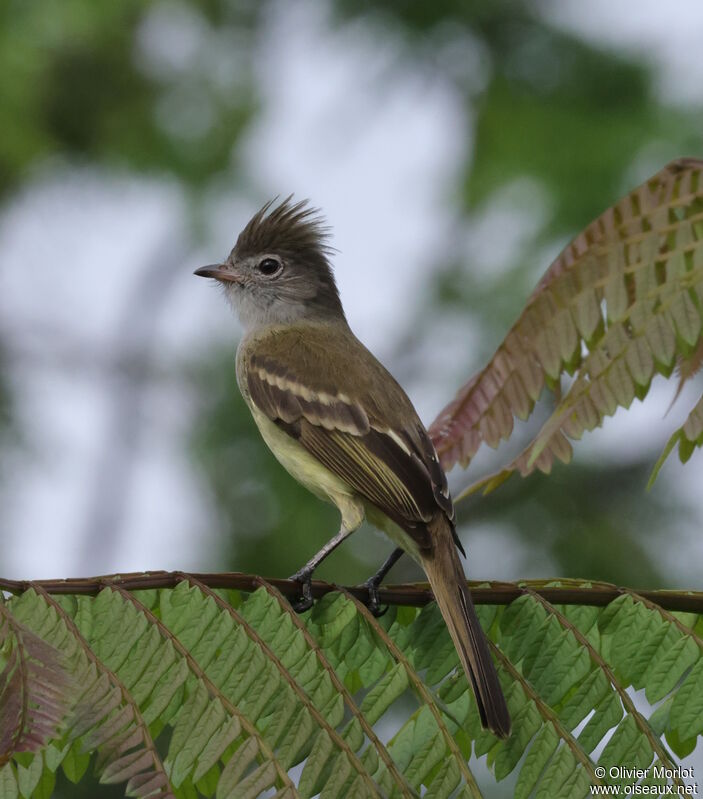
{"points": [[306, 601], [374, 603]]}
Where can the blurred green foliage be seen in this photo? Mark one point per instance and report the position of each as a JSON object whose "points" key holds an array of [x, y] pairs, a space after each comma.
{"points": [[550, 108], [75, 86], [589, 519], [545, 106]]}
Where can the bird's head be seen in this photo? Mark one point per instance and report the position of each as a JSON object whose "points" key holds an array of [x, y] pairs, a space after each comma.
{"points": [[279, 270]]}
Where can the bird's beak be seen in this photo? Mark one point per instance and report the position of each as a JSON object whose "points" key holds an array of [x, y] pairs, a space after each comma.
{"points": [[218, 272]]}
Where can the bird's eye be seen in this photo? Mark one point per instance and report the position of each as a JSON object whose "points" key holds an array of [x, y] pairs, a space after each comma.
{"points": [[269, 266]]}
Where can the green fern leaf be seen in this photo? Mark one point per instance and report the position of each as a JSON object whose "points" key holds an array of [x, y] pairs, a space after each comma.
{"points": [[444, 782], [74, 764], [606, 715], [313, 778], [627, 747], [236, 766], [261, 690], [196, 723], [686, 717], [676, 656], [9, 788], [577, 785], [28, 776], [261, 779], [681, 747], [583, 698], [527, 723], [688, 437], [543, 747], [555, 780], [428, 754], [341, 781], [216, 746], [384, 693]]}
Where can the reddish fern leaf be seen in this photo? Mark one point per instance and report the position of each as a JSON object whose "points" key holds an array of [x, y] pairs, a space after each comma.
{"points": [[621, 303], [36, 691]]}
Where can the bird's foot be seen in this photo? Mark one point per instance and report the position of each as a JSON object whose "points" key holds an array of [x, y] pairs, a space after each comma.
{"points": [[374, 603], [305, 602]]}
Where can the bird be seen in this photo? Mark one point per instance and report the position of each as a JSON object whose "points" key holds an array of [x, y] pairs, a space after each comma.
{"points": [[341, 425]]}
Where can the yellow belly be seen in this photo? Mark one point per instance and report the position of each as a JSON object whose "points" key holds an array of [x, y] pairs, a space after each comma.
{"points": [[397, 535], [306, 469]]}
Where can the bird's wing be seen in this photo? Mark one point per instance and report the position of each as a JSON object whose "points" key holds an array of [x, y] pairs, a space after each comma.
{"points": [[392, 466]]}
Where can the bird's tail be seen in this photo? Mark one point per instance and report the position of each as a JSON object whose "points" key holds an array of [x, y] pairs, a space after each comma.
{"points": [[448, 583]]}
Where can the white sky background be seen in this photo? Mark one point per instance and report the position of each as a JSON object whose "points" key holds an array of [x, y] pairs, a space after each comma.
{"points": [[375, 147]]}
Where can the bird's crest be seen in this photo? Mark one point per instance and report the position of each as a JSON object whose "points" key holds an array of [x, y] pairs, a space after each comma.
{"points": [[293, 228]]}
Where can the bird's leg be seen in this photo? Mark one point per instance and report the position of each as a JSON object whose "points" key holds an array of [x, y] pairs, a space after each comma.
{"points": [[304, 575], [373, 582]]}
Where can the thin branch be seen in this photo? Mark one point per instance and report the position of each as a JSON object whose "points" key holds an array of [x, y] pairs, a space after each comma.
{"points": [[566, 592]]}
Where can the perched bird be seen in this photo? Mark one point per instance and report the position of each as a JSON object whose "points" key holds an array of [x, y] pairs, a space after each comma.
{"points": [[341, 425]]}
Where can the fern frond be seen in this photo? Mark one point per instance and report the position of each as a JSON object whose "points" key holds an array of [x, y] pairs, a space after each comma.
{"points": [[649, 739], [620, 304], [432, 725], [290, 647], [689, 436], [211, 693], [246, 693], [105, 717], [360, 726], [36, 690]]}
